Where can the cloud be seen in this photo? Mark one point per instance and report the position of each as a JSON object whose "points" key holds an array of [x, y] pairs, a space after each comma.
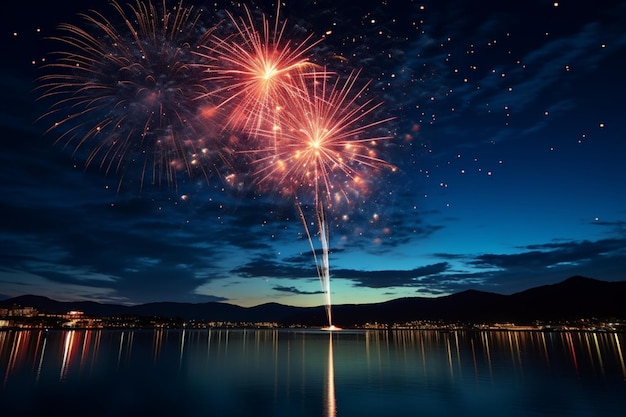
{"points": [[294, 290], [551, 254], [547, 65], [499, 75], [537, 264], [261, 267], [136, 248], [389, 278], [265, 267], [17, 282]]}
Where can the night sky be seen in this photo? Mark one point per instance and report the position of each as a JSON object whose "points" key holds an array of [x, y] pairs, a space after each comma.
{"points": [[507, 137]]}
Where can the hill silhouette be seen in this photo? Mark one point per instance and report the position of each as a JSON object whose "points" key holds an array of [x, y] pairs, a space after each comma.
{"points": [[573, 299]]}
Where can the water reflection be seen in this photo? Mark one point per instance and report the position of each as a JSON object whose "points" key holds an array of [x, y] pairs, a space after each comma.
{"points": [[76, 351], [67, 350], [489, 350], [329, 389], [345, 373], [620, 355]]}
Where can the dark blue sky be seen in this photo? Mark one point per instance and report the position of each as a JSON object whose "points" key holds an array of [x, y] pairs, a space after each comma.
{"points": [[508, 138]]}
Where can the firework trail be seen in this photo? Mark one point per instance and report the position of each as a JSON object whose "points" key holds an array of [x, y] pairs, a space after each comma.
{"points": [[128, 92], [253, 68], [324, 146]]}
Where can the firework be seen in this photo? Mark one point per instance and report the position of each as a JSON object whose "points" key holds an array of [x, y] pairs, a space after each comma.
{"points": [[324, 139], [156, 91], [253, 68], [324, 146], [125, 91]]}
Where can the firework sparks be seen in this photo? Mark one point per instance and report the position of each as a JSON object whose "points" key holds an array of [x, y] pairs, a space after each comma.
{"points": [[254, 68], [323, 146], [323, 143], [126, 91]]}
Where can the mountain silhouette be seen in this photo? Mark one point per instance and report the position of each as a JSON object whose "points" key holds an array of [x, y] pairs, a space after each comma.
{"points": [[573, 299]]}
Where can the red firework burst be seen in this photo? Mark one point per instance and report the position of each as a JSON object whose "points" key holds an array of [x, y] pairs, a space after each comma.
{"points": [[253, 69], [323, 141]]}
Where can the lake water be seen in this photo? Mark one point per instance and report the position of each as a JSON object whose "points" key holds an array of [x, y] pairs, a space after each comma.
{"points": [[311, 373]]}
